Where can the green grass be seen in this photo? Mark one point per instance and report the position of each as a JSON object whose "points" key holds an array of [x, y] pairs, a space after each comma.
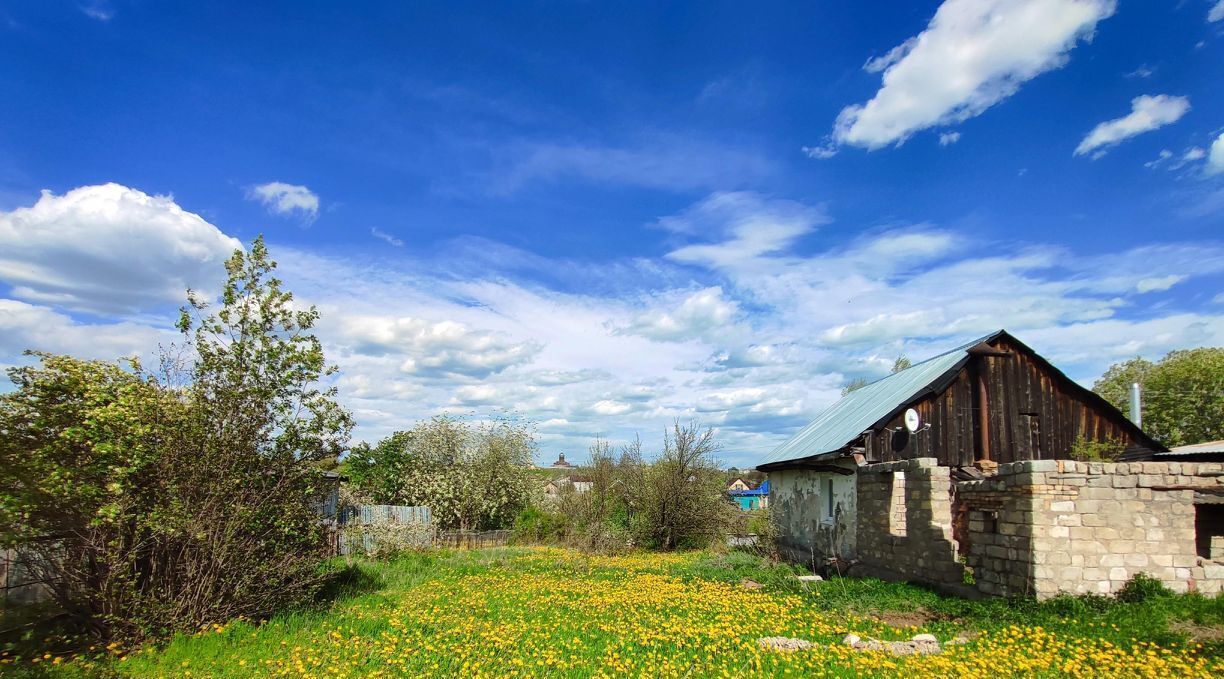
{"points": [[531, 612]]}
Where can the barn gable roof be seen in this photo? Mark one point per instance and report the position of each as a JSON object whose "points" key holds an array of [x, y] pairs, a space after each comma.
{"points": [[834, 430]]}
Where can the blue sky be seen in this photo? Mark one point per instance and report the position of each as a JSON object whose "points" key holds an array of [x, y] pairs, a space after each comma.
{"points": [[606, 217]]}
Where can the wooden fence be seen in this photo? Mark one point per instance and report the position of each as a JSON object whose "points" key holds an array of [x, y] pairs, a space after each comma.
{"points": [[20, 583], [363, 528], [360, 529], [472, 539]]}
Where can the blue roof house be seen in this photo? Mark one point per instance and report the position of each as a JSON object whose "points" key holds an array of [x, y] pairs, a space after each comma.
{"points": [[755, 498]]}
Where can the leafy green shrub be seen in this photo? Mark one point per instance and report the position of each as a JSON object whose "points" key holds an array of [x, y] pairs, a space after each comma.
{"points": [[169, 507], [1141, 588], [535, 525], [1088, 450]]}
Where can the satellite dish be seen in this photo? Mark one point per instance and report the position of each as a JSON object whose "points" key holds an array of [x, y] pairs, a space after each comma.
{"points": [[912, 420]]}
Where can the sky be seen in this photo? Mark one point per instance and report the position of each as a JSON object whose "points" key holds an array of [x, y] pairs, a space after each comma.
{"points": [[607, 217]]}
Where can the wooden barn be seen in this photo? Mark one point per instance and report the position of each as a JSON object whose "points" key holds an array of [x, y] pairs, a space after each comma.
{"points": [[993, 399], [974, 449]]}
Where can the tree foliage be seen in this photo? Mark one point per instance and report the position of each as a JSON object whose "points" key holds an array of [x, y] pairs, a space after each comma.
{"points": [[681, 493], [1183, 394], [471, 476], [154, 503], [674, 501]]}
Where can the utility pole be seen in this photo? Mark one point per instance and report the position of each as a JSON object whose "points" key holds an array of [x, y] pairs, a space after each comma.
{"points": [[1136, 410]]}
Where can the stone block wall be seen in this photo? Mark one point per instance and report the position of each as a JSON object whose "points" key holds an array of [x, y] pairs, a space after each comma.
{"points": [[1089, 527], [1041, 527], [919, 548]]}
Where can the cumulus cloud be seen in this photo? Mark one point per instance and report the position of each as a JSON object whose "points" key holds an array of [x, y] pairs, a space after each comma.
{"points": [[948, 138], [1215, 157], [700, 313], [286, 199], [443, 348], [28, 326], [1216, 13], [972, 55], [109, 248], [1147, 113]]}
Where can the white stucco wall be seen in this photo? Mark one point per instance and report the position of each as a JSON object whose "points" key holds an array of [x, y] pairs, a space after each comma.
{"points": [[808, 531]]}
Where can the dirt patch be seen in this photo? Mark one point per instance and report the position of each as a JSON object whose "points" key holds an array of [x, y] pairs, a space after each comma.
{"points": [[901, 619], [1204, 634]]}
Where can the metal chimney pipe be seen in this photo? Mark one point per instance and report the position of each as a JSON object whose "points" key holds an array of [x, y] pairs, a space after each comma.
{"points": [[1136, 410]]}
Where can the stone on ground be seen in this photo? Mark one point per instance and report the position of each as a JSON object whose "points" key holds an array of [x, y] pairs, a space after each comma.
{"points": [[786, 644]]}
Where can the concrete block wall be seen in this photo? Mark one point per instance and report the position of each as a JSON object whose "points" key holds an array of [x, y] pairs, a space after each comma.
{"points": [[1089, 526], [924, 551]]}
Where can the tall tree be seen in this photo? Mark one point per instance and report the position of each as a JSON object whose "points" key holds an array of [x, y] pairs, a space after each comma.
{"points": [[169, 503], [1183, 394]]}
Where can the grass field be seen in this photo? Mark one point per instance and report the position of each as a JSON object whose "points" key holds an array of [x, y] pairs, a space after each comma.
{"points": [[551, 612]]}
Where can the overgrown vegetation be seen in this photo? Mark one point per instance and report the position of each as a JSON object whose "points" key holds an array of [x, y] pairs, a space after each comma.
{"points": [[531, 612], [1091, 450], [673, 501], [161, 502], [472, 476]]}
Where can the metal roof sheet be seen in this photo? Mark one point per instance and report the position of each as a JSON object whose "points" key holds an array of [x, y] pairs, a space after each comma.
{"points": [[845, 420]]}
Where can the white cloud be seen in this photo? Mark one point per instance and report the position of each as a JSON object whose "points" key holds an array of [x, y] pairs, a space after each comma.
{"points": [[384, 236], [746, 225], [973, 54], [1171, 161], [98, 11], [27, 326], [700, 313], [1143, 72], [109, 248], [1161, 158], [286, 199], [658, 161], [1215, 157], [1147, 113], [1216, 13], [822, 152], [441, 349], [1159, 283], [947, 138]]}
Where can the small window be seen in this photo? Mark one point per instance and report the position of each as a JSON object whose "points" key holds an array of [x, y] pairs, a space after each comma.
{"points": [[896, 510]]}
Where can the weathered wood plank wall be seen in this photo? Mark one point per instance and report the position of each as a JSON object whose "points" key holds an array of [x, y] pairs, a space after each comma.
{"points": [[1031, 411]]}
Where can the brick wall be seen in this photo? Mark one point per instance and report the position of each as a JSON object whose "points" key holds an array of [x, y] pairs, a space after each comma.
{"points": [[1042, 527], [1090, 526], [910, 540]]}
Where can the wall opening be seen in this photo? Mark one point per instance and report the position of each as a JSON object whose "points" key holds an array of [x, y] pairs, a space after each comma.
{"points": [[989, 519], [828, 503], [896, 508], [1209, 531]]}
